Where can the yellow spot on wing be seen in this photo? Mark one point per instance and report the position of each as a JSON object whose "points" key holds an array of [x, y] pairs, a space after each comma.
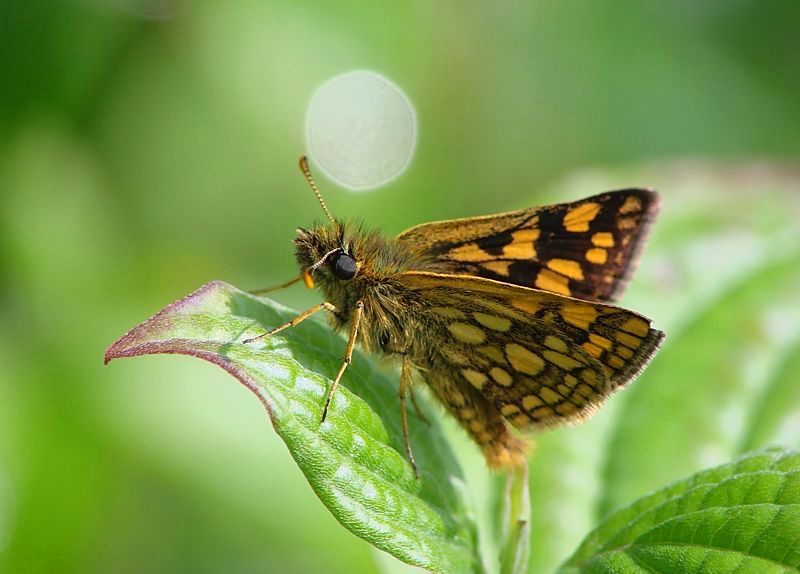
{"points": [[580, 315], [568, 267], [475, 378], [493, 353], [519, 250], [549, 395], [499, 267], [579, 217], [485, 437], [589, 376], [561, 360], [468, 252], [509, 410], [501, 376], [615, 362], [555, 343], [526, 235], [523, 360], [637, 326], [628, 340], [623, 352], [597, 256], [528, 305], [553, 282], [593, 349], [600, 341], [631, 204], [566, 409], [467, 333], [492, 321], [456, 398], [530, 402], [520, 421], [603, 239]]}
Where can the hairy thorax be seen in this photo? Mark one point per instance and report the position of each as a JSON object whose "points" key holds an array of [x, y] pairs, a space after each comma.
{"points": [[388, 322]]}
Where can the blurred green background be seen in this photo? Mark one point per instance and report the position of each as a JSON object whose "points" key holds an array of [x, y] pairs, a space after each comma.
{"points": [[149, 146]]}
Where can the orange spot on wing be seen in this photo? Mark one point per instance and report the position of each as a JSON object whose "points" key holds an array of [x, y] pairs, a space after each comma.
{"points": [[636, 326], [568, 267], [527, 304], [499, 267], [526, 235], [579, 314], [593, 349], [547, 280], [597, 256], [469, 252], [631, 204], [519, 250], [603, 239], [579, 217]]}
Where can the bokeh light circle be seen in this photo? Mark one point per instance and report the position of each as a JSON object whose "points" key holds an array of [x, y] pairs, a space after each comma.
{"points": [[361, 130]]}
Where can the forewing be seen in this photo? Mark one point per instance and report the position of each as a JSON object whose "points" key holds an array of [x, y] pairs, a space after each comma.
{"points": [[585, 249], [541, 359]]}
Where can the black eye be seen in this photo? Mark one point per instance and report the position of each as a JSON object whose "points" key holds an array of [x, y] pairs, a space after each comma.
{"points": [[344, 266]]}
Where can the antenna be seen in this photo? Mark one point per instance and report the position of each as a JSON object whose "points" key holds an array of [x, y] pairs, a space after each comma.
{"points": [[310, 180]]}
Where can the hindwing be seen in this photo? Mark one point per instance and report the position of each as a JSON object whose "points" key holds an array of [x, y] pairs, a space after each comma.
{"points": [[539, 358]]}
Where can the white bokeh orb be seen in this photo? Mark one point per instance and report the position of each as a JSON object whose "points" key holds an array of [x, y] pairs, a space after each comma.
{"points": [[361, 130]]}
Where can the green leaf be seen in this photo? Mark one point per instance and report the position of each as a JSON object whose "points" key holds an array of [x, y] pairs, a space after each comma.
{"points": [[353, 460], [739, 517]]}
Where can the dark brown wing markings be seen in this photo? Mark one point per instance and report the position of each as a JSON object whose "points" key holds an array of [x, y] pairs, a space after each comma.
{"points": [[586, 249]]}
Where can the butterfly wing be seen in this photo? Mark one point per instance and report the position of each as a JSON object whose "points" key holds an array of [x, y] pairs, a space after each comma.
{"points": [[585, 249], [540, 359]]}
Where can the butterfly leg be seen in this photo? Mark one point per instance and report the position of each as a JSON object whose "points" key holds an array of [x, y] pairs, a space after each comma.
{"points": [[348, 355], [406, 386], [299, 319], [421, 416]]}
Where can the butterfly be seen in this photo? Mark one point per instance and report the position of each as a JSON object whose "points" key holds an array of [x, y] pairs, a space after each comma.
{"points": [[505, 317]]}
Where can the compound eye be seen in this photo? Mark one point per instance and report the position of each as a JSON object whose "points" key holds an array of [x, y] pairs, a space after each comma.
{"points": [[344, 266]]}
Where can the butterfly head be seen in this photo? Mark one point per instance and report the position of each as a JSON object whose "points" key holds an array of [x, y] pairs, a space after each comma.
{"points": [[324, 253]]}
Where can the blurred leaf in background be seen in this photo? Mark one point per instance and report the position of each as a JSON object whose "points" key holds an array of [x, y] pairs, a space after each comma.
{"points": [[141, 157]]}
